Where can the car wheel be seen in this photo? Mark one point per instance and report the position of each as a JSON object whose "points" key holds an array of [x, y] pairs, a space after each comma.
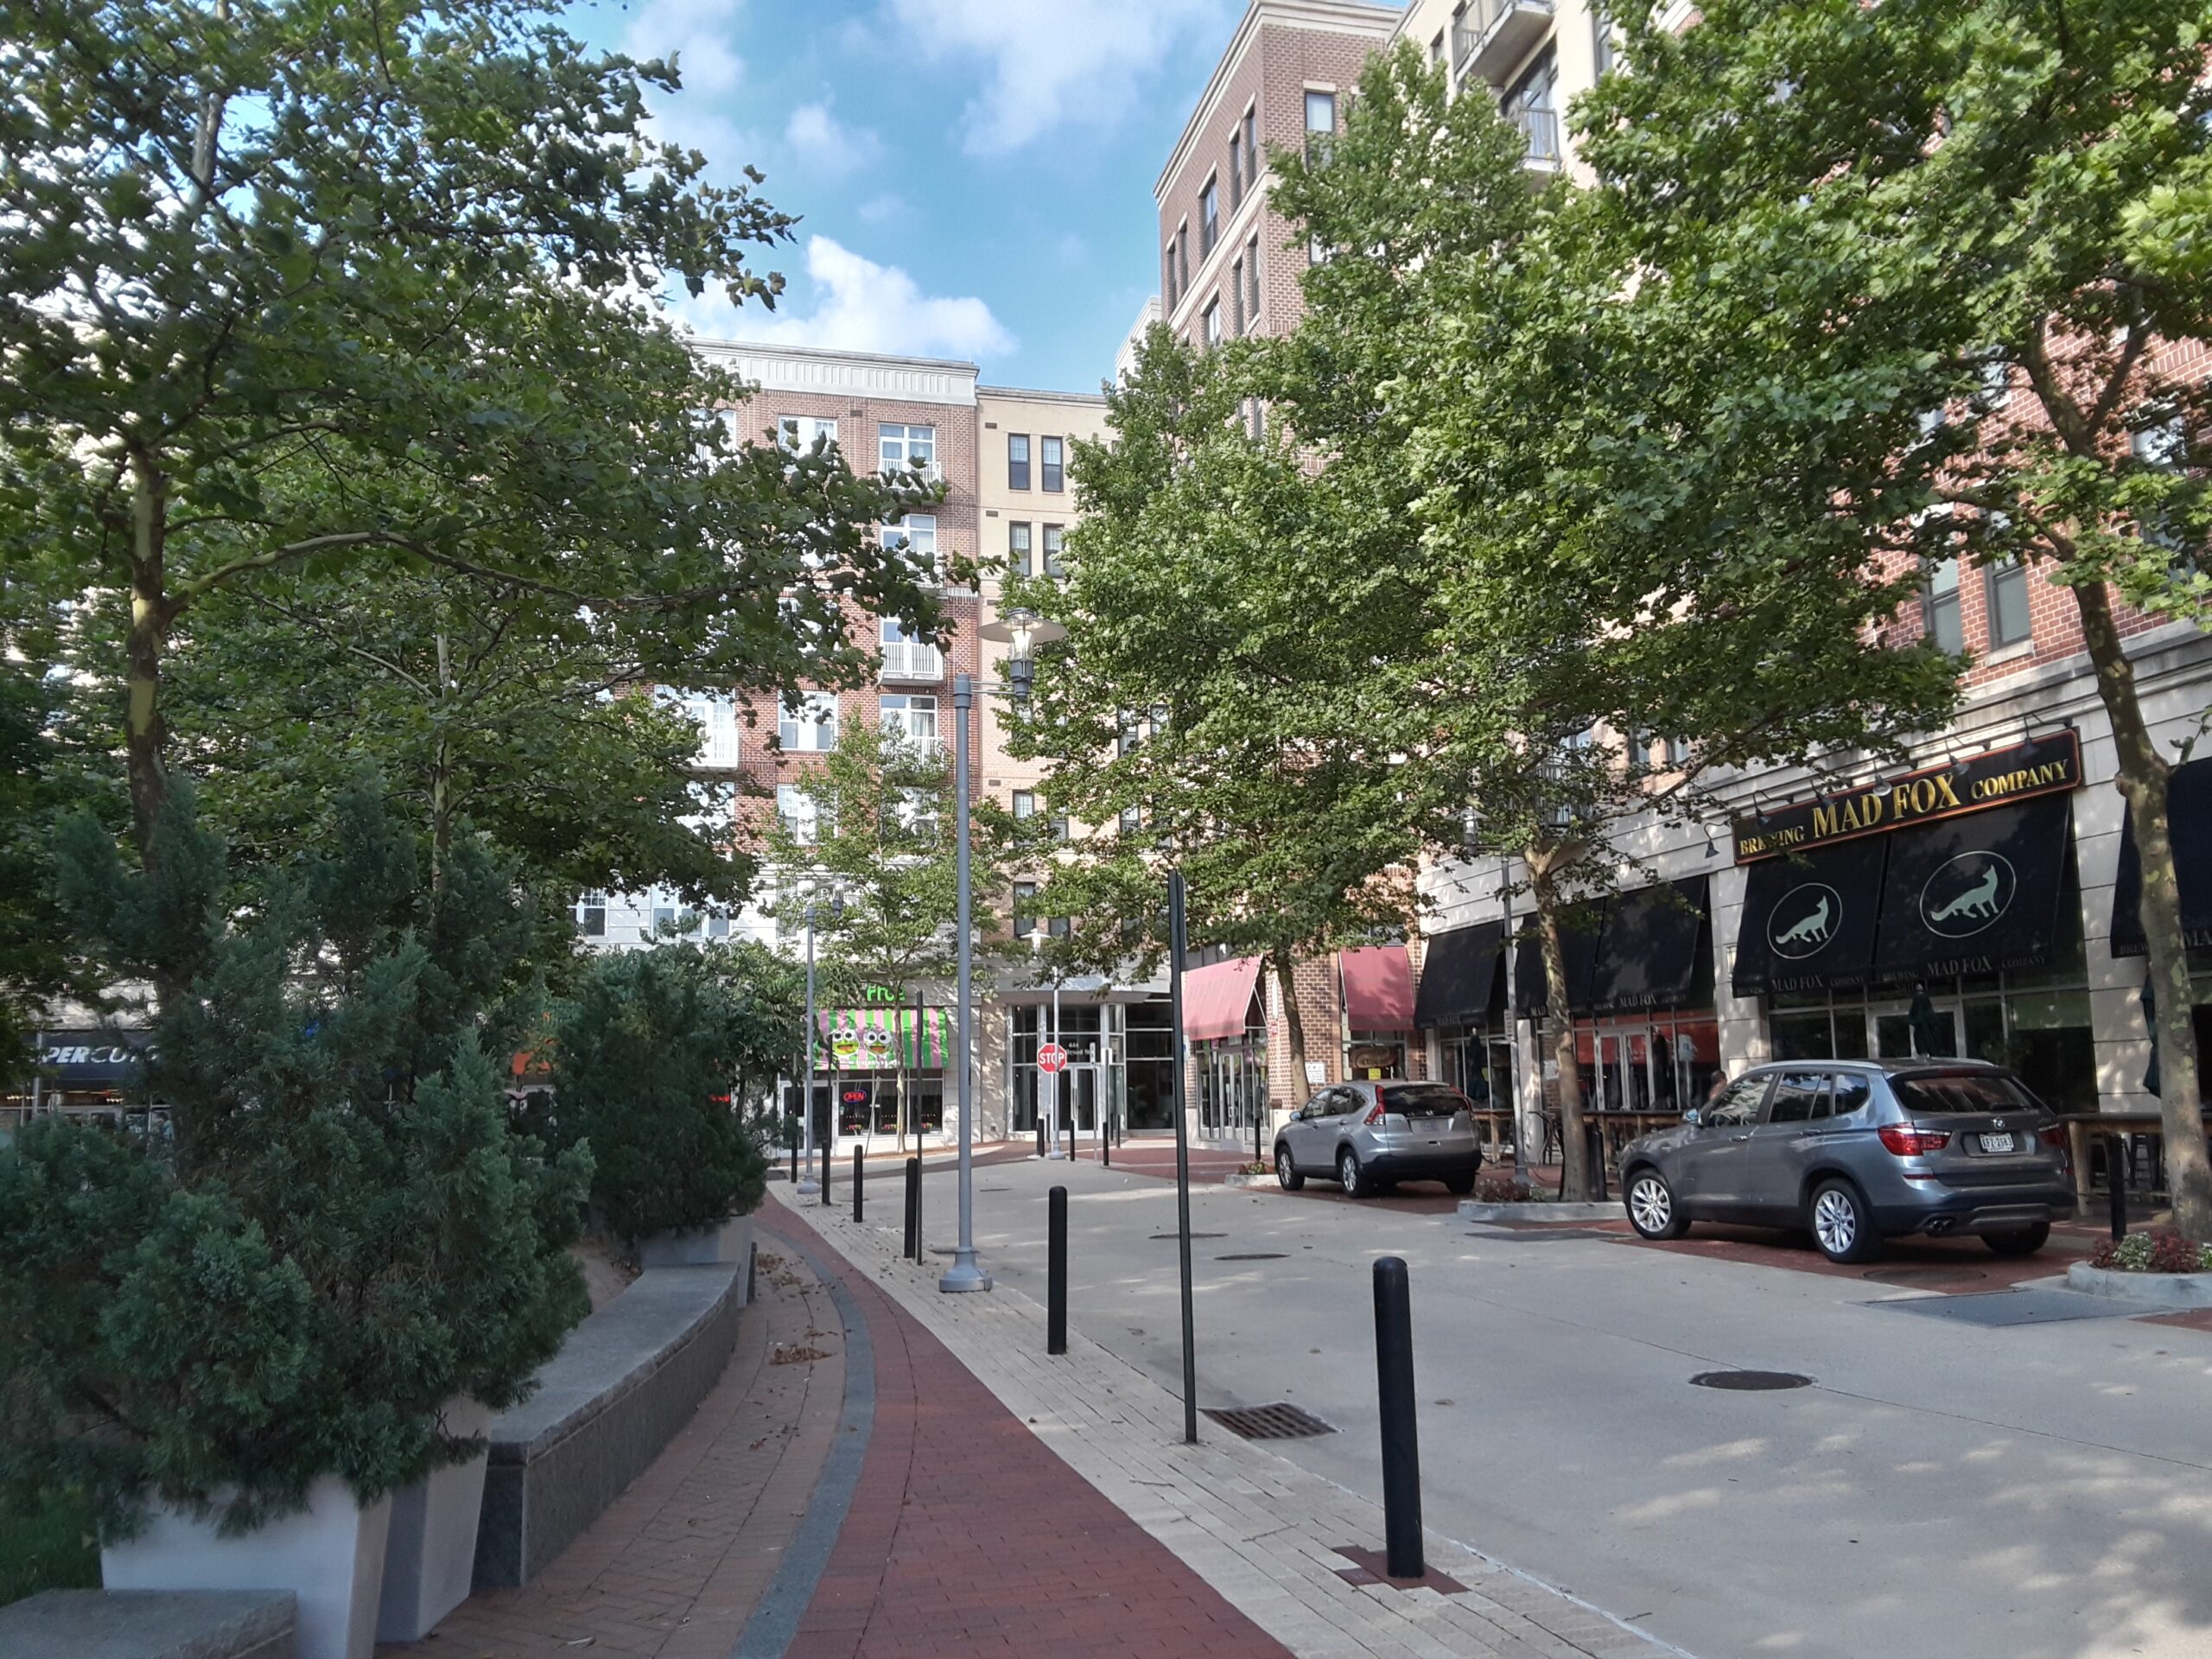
{"points": [[1840, 1225], [1651, 1207], [2026, 1241], [1458, 1185], [1286, 1171], [1351, 1177]]}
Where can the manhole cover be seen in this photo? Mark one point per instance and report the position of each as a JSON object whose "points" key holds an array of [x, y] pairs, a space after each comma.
{"points": [[1279, 1421], [1252, 1255], [1750, 1382], [1925, 1275], [1194, 1234]]}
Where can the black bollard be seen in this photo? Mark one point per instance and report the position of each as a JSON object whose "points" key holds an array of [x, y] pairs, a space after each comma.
{"points": [[1394, 1381], [914, 1251], [1056, 1272], [826, 1161], [1106, 1142], [794, 1166], [2116, 1162], [859, 1170], [1040, 1134]]}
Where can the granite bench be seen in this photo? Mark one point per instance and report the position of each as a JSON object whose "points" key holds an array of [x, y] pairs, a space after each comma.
{"points": [[149, 1624]]}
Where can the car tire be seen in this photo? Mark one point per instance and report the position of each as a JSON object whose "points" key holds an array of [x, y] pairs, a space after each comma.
{"points": [[1354, 1180], [1652, 1210], [2025, 1241], [1286, 1171], [1842, 1230], [1458, 1185]]}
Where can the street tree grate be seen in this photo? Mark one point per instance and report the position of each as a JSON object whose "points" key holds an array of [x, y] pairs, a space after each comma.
{"points": [[1253, 1256], [1279, 1421], [1750, 1382]]}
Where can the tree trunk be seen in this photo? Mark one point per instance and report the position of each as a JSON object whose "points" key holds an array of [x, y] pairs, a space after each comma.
{"points": [[2142, 782], [149, 619], [1293, 1024], [1574, 1155], [442, 778]]}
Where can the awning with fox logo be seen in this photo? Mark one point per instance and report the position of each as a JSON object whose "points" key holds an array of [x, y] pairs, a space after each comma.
{"points": [[1809, 919], [1976, 894]]}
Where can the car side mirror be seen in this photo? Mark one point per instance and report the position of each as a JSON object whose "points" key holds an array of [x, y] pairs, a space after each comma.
{"points": [[1692, 1117]]}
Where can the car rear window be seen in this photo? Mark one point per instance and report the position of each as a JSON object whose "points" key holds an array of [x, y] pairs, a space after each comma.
{"points": [[1948, 1094], [1422, 1099]]}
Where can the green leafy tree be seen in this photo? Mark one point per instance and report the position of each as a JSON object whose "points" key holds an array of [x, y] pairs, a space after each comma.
{"points": [[652, 1060], [325, 287], [1966, 238], [341, 1236], [876, 836]]}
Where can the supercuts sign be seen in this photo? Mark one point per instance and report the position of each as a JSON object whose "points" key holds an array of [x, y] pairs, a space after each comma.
{"points": [[2043, 765]]}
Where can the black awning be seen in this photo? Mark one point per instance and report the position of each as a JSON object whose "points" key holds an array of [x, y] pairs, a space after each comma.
{"points": [[2189, 813], [1578, 943], [1647, 956], [1808, 921], [87, 1059], [1975, 894], [1458, 972]]}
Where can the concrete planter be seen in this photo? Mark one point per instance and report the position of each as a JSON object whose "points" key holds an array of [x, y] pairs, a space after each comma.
{"points": [[725, 1246], [329, 1556], [431, 1553], [1239, 1177], [2164, 1289], [1476, 1209]]}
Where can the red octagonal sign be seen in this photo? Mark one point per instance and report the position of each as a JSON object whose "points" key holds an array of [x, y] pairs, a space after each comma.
{"points": [[1052, 1057]]}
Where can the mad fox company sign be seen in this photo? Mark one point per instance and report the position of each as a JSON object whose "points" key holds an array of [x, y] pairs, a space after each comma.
{"points": [[2043, 765]]}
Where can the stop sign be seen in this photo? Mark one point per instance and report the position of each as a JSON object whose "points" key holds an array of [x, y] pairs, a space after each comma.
{"points": [[1052, 1057]]}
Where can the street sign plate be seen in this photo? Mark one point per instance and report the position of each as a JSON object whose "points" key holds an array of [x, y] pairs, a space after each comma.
{"points": [[1052, 1057]]}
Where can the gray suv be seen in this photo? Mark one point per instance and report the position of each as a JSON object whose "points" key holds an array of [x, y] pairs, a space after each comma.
{"points": [[1858, 1152], [1368, 1134]]}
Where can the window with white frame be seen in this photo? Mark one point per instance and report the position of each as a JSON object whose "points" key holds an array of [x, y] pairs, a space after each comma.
{"points": [[591, 915], [801, 813], [1320, 125], [1237, 288], [2004, 591], [800, 432], [900, 446], [1211, 323], [1235, 168], [718, 732], [1052, 465], [915, 812], [906, 655], [1017, 550], [1017, 460], [913, 718], [1209, 216], [1939, 606], [810, 728], [916, 532], [1025, 909], [1055, 536], [1252, 283]]}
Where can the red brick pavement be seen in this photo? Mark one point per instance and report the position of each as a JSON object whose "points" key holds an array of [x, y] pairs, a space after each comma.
{"points": [[967, 1536]]}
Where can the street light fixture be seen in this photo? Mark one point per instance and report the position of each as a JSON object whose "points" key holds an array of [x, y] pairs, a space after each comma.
{"points": [[1021, 632]]}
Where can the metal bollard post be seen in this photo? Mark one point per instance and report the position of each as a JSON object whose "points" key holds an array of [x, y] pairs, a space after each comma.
{"points": [[914, 1251], [859, 1169], [1040, 1134], [826, 1163], [794, 1164], [1393, 1379], [1106, 1142], [1056, 1272], [2116, 1163]]}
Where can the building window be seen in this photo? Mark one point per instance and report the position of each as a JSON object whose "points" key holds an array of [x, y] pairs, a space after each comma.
{"points": [[1235, 170], [1049, 453], [906, 655], [1025, 805], [912, 718], [718, 925], [800, 432], [801, 814], [1252, 280], [591, 916], [810, 728], [1253, 161], [2005, 591], [1320, 125], [1939, 606], [1601, 30], [1640, 751], [1436, 47], [1211, 323], [1053, 537], [906, 446], [1183, 257], [1208, 217], [1017, 550], [1237, 288], [1017, 460], [1025, 909], [1168, 274], [916, 533], [717, 718], [1132, 820], [1530, 105]]}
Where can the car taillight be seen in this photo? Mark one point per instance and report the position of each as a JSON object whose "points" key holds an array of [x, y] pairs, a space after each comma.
{"points": [[1374, 1115], [1908, 1142], [2053, 1136]]}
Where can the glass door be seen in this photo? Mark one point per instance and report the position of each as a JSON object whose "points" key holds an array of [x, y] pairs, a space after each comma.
{"points": [[1892, 1023]]}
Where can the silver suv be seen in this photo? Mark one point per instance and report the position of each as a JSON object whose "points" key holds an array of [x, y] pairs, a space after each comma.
{"points": [[1858, 1152], [1370, 1135]]}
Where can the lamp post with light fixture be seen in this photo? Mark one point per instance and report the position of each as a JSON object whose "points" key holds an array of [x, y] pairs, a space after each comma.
{"points": [[1021, 632], [807, 1185]]}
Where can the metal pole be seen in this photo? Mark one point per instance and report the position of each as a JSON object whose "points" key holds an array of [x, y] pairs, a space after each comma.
{"points": [[1175, 942], [913, 1250], [2116, 1163], [1512, 1028], [1056, 1271], [805, 1185], [859, 1169], [963, 1275], [1057, 1149], [825, 1151], [1394, 1382]]}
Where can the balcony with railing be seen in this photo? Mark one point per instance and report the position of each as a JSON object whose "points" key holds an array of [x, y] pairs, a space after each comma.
{"points": [[1540, 129], [911, 659], [1496, 35]]}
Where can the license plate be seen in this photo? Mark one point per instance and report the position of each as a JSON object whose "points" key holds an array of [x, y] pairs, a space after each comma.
{"points": [[1997, 1142]]}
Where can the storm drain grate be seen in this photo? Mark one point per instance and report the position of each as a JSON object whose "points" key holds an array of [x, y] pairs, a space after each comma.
{"points": [[1194, 1234], [1253, 1256], [1279, 1421], [1750, 1382]]}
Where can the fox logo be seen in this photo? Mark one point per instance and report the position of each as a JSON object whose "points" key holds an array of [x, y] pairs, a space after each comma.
{"points": [[1795, 931], [1966, 894], [1980, 899]]}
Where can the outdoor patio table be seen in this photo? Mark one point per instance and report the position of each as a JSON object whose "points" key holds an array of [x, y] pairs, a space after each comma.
{"points": [[2080, 1126]]}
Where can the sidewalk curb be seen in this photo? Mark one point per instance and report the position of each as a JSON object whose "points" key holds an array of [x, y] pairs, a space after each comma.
{"points": [[1476, 1210], [2170, 1290]]}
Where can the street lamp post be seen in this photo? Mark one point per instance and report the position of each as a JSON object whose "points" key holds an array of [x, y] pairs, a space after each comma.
{"points": [[1021, 633], [807, 1185]]}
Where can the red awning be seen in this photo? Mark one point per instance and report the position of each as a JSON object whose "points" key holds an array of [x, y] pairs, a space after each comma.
{"points": [[1216, 999], [1378, 988]]}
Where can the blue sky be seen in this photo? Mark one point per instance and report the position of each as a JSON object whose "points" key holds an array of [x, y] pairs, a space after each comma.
{"points": [[974, 177]]}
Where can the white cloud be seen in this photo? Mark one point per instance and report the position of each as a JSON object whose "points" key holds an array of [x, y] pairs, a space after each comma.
{"points": [[1072, 62], [881, 210], [698, 33], [861, 306], [826, 145]]}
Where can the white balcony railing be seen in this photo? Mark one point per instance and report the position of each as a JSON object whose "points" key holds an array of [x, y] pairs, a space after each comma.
{"points": [[911, 660], [1498, 36], [1540, 129]]}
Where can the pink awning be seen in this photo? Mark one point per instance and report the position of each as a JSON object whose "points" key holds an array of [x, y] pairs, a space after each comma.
{"points": [[1378, 987], [1216, 998]]}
